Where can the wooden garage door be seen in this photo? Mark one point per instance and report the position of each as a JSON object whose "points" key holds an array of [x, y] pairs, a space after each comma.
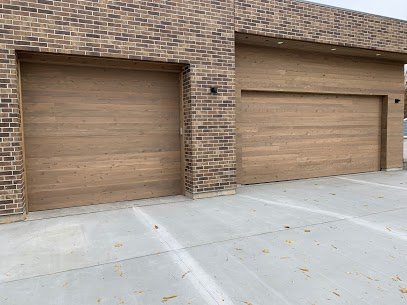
{"points": [[284, 136], [96, 135]]}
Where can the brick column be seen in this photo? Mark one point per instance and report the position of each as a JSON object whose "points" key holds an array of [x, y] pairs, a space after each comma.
{"points": [[12, 198]]}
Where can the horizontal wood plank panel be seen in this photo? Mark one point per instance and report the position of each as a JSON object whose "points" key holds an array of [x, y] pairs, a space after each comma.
{"points": [[99, 134], [284, 136], [273, 69]]}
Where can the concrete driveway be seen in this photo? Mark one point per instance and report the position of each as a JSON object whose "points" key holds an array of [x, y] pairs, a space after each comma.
{"points": [[336, 240]]}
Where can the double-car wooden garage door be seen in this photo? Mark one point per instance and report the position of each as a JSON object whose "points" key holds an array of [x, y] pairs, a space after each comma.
{"points": [[97, 135], [302, 115], [284, 136]]}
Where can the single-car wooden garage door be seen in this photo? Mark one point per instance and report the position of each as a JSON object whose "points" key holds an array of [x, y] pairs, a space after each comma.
{"points": [[284, 136], [97, 135]]}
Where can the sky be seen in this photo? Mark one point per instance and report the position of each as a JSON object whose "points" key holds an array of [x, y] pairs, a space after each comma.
{"points": [[390, 8]]}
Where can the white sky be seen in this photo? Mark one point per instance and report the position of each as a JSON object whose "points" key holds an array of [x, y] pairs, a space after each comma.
{"points": [[390, 8]]}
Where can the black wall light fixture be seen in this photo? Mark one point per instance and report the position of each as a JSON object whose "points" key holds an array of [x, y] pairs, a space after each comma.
{"points": [[214, 90], [397, 101]]}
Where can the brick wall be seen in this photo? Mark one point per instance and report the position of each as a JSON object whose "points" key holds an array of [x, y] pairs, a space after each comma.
{"points": [[405, 103], [405, 96], [197, 33], [318, 23]]}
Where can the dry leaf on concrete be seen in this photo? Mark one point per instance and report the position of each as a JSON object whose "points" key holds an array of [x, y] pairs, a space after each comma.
{"points": [[396, 278], [185, 274], [165, 299], [118, 269]]}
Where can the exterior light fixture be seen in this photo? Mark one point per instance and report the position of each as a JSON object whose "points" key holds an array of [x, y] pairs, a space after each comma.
{"points": [[280, 42], [333, 49], [378, 54]]}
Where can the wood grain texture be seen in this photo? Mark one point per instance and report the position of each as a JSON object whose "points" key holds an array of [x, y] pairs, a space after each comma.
{"points": [[284, 136], [97, 135], [273, 69]]}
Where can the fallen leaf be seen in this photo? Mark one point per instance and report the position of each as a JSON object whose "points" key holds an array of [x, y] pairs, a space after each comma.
{"points": [[238, 249], [165, 299], [287, 227], [155, 227], [266, 251], [118, 269], [307, 230], [335, 293], [118, 245], [304, 269], [369, 277], [247, 303], [185, 274], [388, 229], [289, 241], [396, 278], [403, 290], [65, 284], [98, 300], [139, 292], [333, 194]]}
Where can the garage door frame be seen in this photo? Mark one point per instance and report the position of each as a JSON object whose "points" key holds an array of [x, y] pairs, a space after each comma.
{"points": [[75, 60]]}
